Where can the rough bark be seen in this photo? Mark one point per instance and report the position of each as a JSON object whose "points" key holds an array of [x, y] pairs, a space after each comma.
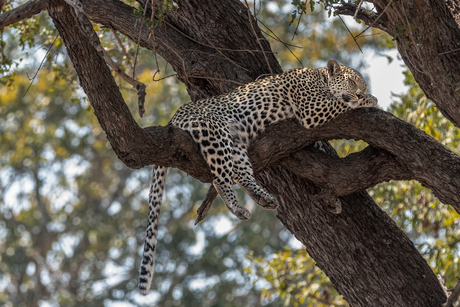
{"points": [[368, 258]]}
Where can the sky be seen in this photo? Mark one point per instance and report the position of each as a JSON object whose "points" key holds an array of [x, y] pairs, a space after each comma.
{"points": [[385, 78]]}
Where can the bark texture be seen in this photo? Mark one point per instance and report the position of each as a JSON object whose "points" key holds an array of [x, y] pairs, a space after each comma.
{"points": [[367, 257]]}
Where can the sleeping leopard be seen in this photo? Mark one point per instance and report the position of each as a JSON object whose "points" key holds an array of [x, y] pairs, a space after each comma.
{"points": [[223, 127]]}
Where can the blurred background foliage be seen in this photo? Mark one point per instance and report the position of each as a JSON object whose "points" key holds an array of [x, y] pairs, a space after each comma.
{"points": [[73, 217]]}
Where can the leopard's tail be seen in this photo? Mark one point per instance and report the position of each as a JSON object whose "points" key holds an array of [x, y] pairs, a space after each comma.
{"points": [[148, 259]]}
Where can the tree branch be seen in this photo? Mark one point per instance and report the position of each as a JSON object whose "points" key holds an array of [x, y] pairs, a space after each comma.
{"points": [[344, 176], [24, 11], [370, 18], [439, 171]]}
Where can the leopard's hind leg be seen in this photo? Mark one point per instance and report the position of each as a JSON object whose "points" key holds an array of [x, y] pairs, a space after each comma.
{"points": [[216, 146], [243, 175]]}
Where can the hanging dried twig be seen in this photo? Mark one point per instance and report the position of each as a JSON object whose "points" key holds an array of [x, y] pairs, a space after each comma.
{"points": [[86, 28], [39, 67]]}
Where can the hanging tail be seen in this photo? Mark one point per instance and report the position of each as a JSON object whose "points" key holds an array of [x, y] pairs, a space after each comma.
{"points": [[148, 259]]}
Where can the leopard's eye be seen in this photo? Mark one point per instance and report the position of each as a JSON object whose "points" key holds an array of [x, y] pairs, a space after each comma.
{"points": [[352, 83]]}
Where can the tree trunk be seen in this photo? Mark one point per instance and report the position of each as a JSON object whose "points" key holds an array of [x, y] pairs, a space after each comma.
{"points": [[363, 252], [368, 258]]}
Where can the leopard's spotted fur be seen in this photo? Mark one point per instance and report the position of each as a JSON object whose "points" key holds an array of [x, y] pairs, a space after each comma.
{"points": [[223, 126]]}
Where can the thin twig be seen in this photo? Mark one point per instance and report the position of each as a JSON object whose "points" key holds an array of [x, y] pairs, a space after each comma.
{"points": [[285, 45], [297, 26], [39, 67], [120, 43], [376, 19], [446, 52], [87, 29], [154, 39], [350, 33], [142, 20], [162, 77], [183, 67], [260, 8], [357, 9], [152, 18], [257, 38], [275, 37]]}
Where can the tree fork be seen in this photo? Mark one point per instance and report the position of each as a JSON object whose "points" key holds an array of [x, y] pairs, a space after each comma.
{"points": [[376, 265]]}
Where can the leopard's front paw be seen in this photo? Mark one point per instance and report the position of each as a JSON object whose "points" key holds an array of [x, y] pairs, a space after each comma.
{"points": [[242, 213], [268, 202]]}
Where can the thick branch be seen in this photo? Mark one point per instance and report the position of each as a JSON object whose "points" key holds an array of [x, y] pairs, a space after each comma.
{"points": [[356, 172], [369, 17], [24, 11], [425, 159], [340, 176], [454, 295], [361, 270]]}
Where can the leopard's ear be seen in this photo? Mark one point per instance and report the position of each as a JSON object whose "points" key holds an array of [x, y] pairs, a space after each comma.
{"points": [[333, 68]]}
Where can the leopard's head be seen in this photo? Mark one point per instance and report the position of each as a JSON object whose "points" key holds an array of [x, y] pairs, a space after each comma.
{"points": [[348, 86]]}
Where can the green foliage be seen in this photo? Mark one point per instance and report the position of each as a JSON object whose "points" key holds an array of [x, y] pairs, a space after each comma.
{"points": [[20, 41], [300, 7], [293, 277], [433, 226]]}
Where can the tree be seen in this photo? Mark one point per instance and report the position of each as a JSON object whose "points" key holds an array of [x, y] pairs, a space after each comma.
{"points": [[370, 261]]}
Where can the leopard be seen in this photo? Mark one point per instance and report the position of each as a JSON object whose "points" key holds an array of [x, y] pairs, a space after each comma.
{"points": [[223, 127]]}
